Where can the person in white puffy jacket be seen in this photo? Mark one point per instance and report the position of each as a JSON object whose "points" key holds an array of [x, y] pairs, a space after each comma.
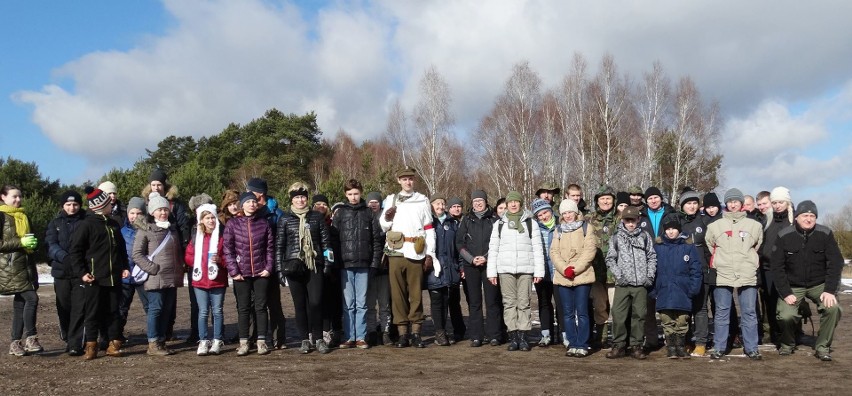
{"points": [[516, 256], [410, 248]]}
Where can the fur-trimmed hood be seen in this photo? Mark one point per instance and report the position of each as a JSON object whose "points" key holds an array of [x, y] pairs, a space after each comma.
{"points": [[171, 193]]}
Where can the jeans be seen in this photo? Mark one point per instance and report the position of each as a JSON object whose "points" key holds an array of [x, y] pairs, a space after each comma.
{"points": [[251, 296], [575, 306], [127, 292], [24, 317], [355, 282], [210, 300], [748, 316], [378, 294], [161, 303]]}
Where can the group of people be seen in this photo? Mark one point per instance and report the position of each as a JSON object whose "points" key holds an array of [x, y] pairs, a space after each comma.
{"points": [[356, 270]]}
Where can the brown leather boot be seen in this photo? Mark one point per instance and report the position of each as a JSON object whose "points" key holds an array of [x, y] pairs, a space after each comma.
{"points": [[114, 349], [155, 350], [91, 350]]}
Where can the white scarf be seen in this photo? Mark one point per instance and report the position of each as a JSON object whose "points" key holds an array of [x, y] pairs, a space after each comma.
{"points": [[212, 269]]}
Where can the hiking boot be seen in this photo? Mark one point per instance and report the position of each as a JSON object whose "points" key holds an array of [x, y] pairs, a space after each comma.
{"points": [[322, 346], [496, 342], [162, 345], [347, 344], [523, 344], [216, 347], [90, 351], [15, 348], [386, 339], [754, 355], [203, 348], [31, 345], [262, 348], [155, 350], [544, 342], [417, 341], [786, 350], [373, 338], [639, 353], [616, 352], [114, 349], [671, 352], [513, 341], [403, 341], [441, 338], [362, 344], [75, 352], [699, 350], [680, 346], [823, 355], [243, 349], [716, 354], [475, 343], [306, 346]]}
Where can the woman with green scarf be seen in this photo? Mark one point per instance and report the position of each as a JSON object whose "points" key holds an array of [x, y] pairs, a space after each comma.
{"points": [[18, 276], [301, 248]]}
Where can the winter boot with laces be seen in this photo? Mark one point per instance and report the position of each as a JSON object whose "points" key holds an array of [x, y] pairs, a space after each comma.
{"points": [[513, 341], [31, 345]]}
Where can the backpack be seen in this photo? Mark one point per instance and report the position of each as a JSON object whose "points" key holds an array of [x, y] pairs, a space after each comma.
{"points": [[585, 228], [528, 221]]}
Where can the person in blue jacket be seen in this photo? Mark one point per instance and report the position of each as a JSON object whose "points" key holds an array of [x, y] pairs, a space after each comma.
{"points": [[439, 280], [129, 286], [678, 281]]}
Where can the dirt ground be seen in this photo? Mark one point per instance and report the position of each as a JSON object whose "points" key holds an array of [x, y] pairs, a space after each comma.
{"points": [[457, 369]]}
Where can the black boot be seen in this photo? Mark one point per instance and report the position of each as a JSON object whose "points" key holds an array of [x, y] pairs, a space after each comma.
{"points": [[596, 337], [522, 341], [513, 341], [372, 338], [671, 341], [441, 338], [680, 346], [416, 341]]}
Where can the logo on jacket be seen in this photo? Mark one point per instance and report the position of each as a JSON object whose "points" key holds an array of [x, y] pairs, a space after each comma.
{"points": [[686, 257], [698, 230], [606, 229], [512, 224], [446, 227], [643, 225]]}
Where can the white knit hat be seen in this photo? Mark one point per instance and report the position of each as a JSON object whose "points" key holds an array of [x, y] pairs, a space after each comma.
{"points": [[568, 205], [780, 194], [108, 187]]}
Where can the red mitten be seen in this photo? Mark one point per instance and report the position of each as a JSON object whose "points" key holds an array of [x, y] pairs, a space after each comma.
{"points": [[569, 273]]}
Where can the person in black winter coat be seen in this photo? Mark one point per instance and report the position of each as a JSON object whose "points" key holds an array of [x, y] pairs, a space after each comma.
{"points": [[440, 281], [693, 225], [98, 260], [360, 254], [472, 240], [58, 239]]}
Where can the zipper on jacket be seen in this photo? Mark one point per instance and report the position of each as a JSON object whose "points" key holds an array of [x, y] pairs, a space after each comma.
{"points": [[111, 242], [251, 248]]}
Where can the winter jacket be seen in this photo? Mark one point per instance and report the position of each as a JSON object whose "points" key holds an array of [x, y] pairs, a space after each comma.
{"points": [[679, 276], [699, 239], [631, 257], [360, 236], [576, 249], [287, 246], [248, 246], [780, 221], [58, 240], [128, 232], [546, 240], [166, 269], [646, 219], [734, 240], [97, 248], [119, 212], [604, 225], [806, 259], [474, 235], [513, 252], [17, 271], [413, 219], [205, 283], [445, 248], [179, 215]]}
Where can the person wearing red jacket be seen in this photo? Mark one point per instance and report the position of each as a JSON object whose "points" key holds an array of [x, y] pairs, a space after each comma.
{"points": [[209, 276]]}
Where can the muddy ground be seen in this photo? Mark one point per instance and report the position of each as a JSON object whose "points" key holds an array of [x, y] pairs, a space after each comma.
{"points": [[457, 369]]}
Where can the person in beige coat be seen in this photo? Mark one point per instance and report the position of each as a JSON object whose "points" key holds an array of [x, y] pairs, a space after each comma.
{"points": [[572, 251], [157, 250]]}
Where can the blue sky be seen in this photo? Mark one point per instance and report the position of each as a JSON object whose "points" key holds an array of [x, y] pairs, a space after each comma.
{"points": [[88, 85]]}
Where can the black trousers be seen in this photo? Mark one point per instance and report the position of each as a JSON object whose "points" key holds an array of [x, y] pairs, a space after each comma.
{"points": [[478, 284], [544, 294], [70, 314], [100, 310], [456, 316], [306, 290], [251, 296], [439, 300], [332, 302], [277, 321]]}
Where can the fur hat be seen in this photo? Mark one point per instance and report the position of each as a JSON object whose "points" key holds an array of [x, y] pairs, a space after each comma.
{"points": [[156, 201], [108, 187], [229, 197], [199, 200], [568, 205]]}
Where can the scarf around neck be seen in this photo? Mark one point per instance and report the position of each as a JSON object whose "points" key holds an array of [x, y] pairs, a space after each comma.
{"points": [[570, 227], [306, 243], [515, 218], [22, 223]]}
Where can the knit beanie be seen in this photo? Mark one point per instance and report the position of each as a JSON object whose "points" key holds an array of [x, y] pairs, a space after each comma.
{"points": [[734, 194], [136, 203], [568, 205], [687, 197], [780, 194], [623, 197], [158, 175], [807, 206], [108, 187], [672, 222], [156, 201], [374, 196], [257, 185], [514, 196], [711, 199], [320, 198], [454, 201], [479, 194], [436, 197], [247, 196], [653, 191], [70, 196], [97, 198], [539, 205]]}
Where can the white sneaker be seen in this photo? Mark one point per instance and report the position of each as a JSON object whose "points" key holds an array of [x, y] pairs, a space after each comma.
{"points": [[203, 347], [216, 347]]}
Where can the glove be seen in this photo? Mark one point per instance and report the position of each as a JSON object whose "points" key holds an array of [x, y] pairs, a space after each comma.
{"points": [[569, 273], [29, 241], [282, 280], [427, 264], [390, 214], [329, 255]]}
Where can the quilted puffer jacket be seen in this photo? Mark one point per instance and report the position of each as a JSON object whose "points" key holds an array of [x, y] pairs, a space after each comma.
{"points": [[360, 236], [513, 252], [248, 246], [287, 240], [17, 273]]}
